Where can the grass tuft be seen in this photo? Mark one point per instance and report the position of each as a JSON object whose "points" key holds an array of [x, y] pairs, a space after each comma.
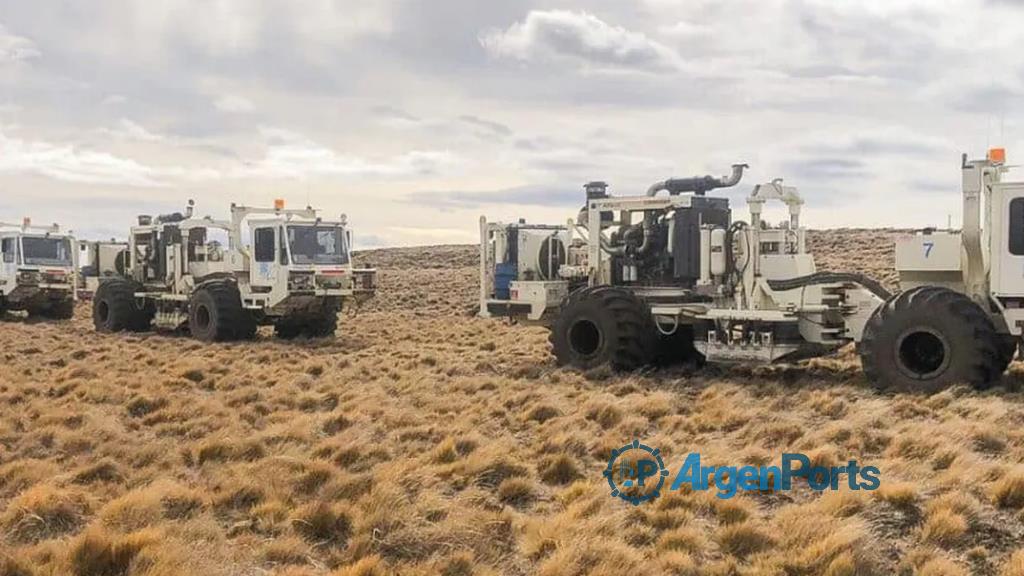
{"points": [[897, 494], [559, 469], [1014, 565], [1008, 492], [96, 553], [323, 524], [944, 527], [43, 512], [742, 540], [516, 491]]}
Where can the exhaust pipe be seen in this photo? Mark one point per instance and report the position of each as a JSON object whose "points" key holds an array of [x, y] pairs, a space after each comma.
{"points": [[698, 184]]}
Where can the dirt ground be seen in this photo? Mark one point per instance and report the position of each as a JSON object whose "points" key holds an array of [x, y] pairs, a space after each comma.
{"points": [[424, 441]]}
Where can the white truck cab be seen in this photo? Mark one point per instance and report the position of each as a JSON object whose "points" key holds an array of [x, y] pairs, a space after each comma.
{"points": [[37, 270], [297, 260]]}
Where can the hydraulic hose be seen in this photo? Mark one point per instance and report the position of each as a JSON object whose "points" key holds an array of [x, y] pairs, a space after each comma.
{"points": [[870, 284]]}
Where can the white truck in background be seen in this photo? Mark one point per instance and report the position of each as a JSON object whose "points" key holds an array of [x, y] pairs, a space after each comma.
{"points": [[221, 279], [37, 270]]}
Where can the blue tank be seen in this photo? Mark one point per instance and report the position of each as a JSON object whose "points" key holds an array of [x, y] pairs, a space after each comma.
{"points": [[504, 274]]}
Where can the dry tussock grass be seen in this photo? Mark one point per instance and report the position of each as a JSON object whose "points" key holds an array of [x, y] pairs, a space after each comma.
{"points": [[424, 441]]}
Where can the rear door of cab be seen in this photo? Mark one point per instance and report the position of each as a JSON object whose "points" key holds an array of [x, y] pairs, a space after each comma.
{"points": [[8, 260], [264, 269]]}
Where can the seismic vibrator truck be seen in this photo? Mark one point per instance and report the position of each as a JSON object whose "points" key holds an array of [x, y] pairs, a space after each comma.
{"points": [[222, 279], [37, 270], [670, 275]]}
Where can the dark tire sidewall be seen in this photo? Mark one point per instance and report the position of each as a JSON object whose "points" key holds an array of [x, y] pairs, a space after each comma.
{"points": [[114, 307], [627, 337], [588, 311], [103, 314], [203, 303], [943, 314]]}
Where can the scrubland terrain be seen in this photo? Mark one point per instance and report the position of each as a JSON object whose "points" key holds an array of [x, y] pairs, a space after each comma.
{"points": [[424, 441]]}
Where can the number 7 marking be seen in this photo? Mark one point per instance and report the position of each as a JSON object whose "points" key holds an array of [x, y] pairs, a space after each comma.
{"points": [[928, 248]]}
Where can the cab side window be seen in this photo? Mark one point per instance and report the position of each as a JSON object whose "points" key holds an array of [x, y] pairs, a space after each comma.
{"points": [[264, 245], [7, 248], [283, 248], [1016, 221]]}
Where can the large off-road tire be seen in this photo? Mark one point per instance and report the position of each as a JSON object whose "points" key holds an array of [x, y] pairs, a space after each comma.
{"points": [[1007, 350], [248, 328], [604, 325], [61, 309], [928, 338], [115, 308], [320, 323], [287, 329], [215, 313], [323, 326], [310, 326]]}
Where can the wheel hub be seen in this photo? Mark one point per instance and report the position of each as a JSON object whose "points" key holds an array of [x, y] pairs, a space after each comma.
{"points": [[922, 353], [202, 317], [585, 337]]}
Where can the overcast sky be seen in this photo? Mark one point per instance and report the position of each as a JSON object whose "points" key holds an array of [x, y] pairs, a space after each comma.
{"points": [[416, 116]]}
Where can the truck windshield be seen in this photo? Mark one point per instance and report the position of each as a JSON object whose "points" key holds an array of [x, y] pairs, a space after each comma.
{"points": [[317, 244], [46, 251]]}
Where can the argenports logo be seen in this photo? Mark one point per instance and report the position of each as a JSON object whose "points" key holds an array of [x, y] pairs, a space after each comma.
{"points": [[636, 473]]}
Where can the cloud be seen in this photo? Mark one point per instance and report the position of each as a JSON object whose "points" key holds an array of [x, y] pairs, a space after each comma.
{"points": [[114, 100], [14, 49], [932, 186], [580, 37], [531, 195], [486, 127], [396, 117], [130, 130], [424, 235], [688, 30], [509, 106], [69, 163], [368, 241], [889, 141], [993, 97], [291, 155], [234, 104], [823, 169], [597, 154], [287, 156]]}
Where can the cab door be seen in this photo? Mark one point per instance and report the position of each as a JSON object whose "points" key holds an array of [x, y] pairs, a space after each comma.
{"points": [[8, 258], [1008, 246], [264, 269]]}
